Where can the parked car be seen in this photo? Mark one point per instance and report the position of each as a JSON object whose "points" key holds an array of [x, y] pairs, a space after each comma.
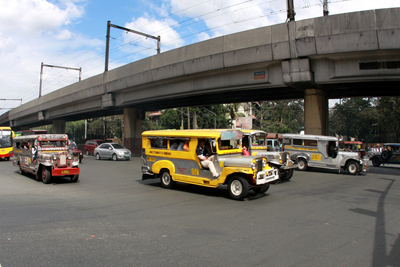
{"points": [[112, 151], [90, 145], [390, 154], [78, 155]]}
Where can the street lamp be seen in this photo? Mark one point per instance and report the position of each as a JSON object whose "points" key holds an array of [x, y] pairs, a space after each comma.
{"points": [[215, 117]]}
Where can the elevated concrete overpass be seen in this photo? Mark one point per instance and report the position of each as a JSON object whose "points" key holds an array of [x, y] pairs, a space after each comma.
{"points": [[346, 55]]}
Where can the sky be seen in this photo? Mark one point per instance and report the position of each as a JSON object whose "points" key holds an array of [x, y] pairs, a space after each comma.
{"points": [[72, 34]]}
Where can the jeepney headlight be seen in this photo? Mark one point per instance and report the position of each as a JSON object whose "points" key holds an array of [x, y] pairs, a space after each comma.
{"points": [[264, 162], [54, 157], [69, 156], [253, 165]]}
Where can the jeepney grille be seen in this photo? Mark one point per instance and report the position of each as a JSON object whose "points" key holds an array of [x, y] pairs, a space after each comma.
{"points": [[63, 159], [259, 165], [284, 157]]}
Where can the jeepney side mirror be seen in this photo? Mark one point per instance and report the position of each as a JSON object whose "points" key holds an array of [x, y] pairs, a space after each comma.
{"points": [[110, 148]]}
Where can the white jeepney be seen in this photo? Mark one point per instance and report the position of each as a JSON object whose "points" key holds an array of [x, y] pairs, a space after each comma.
{"points": [[322, 152]]}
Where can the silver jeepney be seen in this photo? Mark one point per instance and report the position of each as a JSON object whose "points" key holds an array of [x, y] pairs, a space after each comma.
{"points": [[322, 152], [257, 146]]}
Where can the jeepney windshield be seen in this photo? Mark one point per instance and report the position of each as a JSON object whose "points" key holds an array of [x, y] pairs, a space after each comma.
{"points": [[257, 140], [228, 144], [45, 144], [5, 138]]}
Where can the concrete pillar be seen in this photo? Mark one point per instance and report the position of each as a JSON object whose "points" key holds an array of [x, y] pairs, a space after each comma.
{"points": [[316, 112], [59, 126], [133, 130]]}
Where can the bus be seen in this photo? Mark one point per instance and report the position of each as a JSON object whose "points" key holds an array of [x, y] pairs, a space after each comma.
{"points": [[6, 138]]}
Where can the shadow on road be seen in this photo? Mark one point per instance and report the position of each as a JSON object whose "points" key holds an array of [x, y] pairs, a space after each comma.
{"points": [[380, 255]]}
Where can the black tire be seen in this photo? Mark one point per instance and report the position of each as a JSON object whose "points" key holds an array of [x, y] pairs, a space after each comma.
{"points": [[376, 162], [352, 168], [20, 169], [114, 157], [385, 155], [287, 176], [74, 178], [261, 189], [238, 188], [46, 175], [166, 179], [302, 164], [87, 152], [98, 156]]}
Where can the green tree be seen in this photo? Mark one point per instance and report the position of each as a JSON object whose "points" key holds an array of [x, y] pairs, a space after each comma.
{"points": [[388, 109], [354, 117]]}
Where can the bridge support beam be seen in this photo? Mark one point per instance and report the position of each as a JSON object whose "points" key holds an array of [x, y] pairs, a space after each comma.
{"points": [[59, 126], [133, 130], [316, 112]]}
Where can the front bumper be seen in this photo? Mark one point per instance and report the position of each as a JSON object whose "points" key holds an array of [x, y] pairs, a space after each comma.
{"points": [[264, 177], [64, 171]]}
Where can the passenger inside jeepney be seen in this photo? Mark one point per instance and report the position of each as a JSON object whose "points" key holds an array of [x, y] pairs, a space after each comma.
{"points": [[332, 149]]}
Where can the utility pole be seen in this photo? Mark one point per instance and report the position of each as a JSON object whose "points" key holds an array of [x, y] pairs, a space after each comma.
{"points": [[158, 38], [326, 11], [52, 66], [290, 10]]}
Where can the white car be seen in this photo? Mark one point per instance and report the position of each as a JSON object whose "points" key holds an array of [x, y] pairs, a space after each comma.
{"points": [[112, 151]]}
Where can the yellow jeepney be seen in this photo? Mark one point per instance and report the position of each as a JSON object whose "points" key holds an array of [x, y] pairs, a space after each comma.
{"points": [[164, 156]]}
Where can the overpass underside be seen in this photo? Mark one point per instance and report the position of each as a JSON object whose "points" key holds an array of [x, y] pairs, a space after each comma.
{"points": [[347, 55]]}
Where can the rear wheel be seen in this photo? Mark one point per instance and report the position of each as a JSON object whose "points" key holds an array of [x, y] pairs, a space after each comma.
{"points": [[20, 169], [352, 168], [376, 162], [302, 165], [261, 189], [166, 180], [46, 175], [238, 188]]}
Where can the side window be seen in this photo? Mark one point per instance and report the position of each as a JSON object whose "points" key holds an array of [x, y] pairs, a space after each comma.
{"points": [[159, 143], [298, 142], [103, 146], [310, 142]]}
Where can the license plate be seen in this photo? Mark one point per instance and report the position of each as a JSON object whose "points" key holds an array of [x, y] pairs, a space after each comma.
{"points": [[65, 172]]}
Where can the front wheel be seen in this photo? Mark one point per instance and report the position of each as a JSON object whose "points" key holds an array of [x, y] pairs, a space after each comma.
{"points": [[166, 180], [261, 189], [376, 162], [87, 152], [98, 156], [352, 168], [287, 176], [46, 175], [302, 165], [238, 188], [114, 157], [74, 178]]}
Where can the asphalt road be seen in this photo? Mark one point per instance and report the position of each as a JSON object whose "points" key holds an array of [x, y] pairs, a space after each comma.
{"points": [[110, 217]]}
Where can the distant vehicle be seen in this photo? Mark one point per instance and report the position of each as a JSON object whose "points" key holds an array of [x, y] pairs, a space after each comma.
{"points": [[90, 145], [273, 145], [78, 155], [322, 152], [112, 151], [6, 139], [354, 146], [46, 156], [390, 154]]}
